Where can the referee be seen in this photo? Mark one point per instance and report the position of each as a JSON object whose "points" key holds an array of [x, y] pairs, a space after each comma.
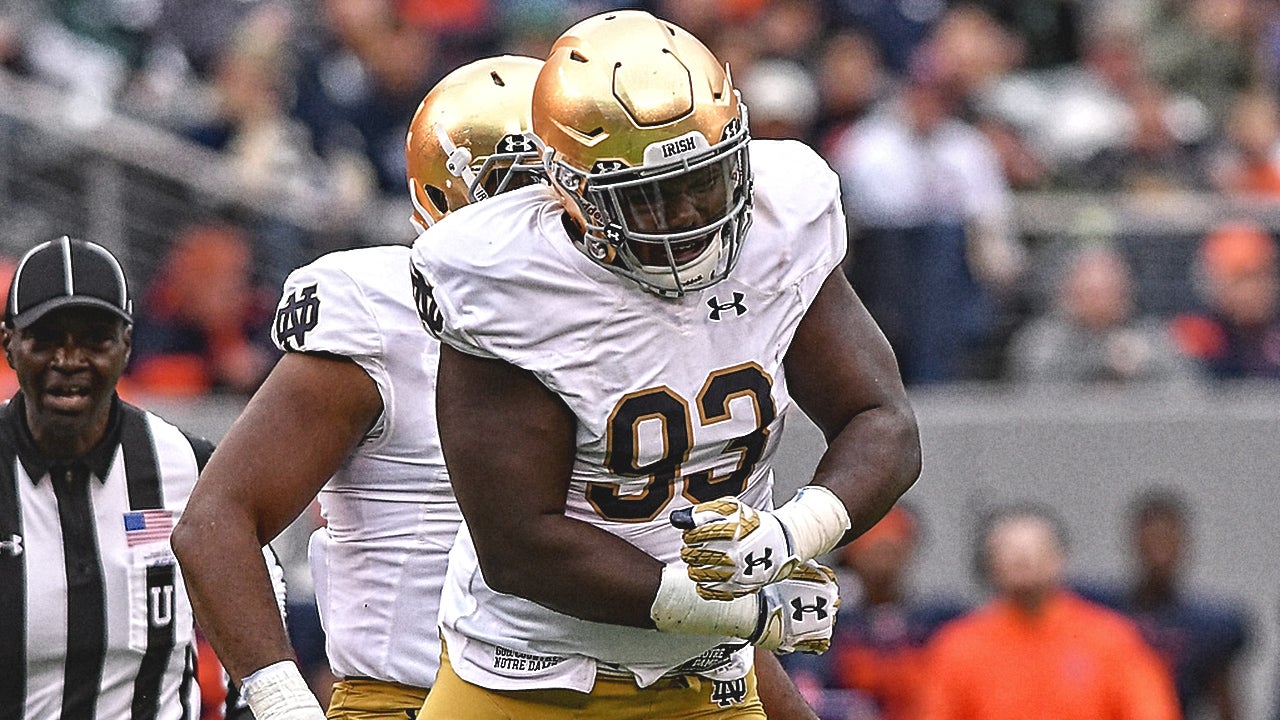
{"points": [[94, 618]]}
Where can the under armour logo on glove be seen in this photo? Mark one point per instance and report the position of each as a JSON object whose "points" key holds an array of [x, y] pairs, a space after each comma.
{"points": [[753, 562], [818, 607], [731, 548], [718, 308], [297, 315], [798, 614]]}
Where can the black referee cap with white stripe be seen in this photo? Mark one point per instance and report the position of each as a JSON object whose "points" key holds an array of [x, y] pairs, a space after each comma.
{"points": [[66, 272]]}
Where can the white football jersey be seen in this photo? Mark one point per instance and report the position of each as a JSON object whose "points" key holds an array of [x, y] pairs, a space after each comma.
{"points": [[677, 401], [379, 563]]}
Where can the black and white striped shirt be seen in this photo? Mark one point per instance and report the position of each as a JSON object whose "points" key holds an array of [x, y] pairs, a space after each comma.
{"points": [[94, 617]]}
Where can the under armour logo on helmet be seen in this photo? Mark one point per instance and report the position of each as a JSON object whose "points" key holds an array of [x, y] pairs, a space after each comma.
{"points": [[297, 315], [717, 307], [731, 128], [819, 607], [602, 166], [516, 143], [765, 561]]}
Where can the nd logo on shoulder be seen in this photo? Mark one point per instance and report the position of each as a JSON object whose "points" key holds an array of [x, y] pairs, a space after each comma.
{"points": [[298, 314], [424, 299]]}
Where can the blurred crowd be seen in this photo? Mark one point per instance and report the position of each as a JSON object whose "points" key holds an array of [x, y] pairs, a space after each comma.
{"points": [[937, 114], [1046, 642]]}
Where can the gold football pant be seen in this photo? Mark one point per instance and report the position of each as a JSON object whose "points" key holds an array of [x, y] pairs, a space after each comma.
{"points": [[365, 699], [612, 698]]}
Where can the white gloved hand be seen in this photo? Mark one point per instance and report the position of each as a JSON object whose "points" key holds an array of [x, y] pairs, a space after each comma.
{"points": [[798, 614], [279, 692], [733, 549]]}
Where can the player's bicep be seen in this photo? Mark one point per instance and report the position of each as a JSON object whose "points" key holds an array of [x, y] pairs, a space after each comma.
{"points": [[509, 445], [293, 435], [839, 363]]}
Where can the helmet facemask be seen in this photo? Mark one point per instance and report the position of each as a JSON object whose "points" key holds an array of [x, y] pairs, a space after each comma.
{"points": [[515, 162], [674, 224]]}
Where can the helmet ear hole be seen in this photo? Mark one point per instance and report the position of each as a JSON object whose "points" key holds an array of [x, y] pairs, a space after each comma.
{"points": [[437, 197]]}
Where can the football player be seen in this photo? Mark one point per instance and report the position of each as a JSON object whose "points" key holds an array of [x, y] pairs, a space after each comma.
{"points": [[359, 373], [621, 350], [351, 400]]}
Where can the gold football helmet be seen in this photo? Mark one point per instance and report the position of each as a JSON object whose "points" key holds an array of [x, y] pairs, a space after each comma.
{"points": [[647, 142], [469, 139]]}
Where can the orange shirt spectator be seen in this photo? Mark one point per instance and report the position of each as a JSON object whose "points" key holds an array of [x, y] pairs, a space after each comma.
{"points": [[1237, 335], [200, 327], [1077, 661], [1036, 650]]}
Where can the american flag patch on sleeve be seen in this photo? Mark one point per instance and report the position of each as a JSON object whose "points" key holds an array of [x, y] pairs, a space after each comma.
{"points": [[147, 526]]}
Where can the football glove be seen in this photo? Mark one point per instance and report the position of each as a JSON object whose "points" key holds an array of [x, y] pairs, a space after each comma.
{"points": [[798, 614], [733, 549]]}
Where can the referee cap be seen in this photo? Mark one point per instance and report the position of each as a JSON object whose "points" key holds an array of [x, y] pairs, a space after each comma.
{"points": [[66, 272]]}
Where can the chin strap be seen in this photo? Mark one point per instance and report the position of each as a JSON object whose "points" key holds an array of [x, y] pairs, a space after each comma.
{"points": [[458, 162]]}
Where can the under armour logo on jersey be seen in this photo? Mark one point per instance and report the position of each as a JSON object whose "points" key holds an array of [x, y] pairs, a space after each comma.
{"points": [[297, 315], [12, 546], [516, 143], [718, 308], [819, 607], [728, 692], [424, 299], [753, 562]]}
